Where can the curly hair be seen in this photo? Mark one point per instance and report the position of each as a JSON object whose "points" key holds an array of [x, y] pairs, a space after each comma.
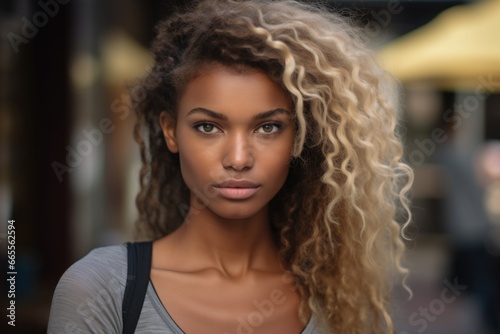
{"points": [[340, 215]]}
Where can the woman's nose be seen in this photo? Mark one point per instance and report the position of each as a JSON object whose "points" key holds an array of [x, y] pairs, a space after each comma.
{"points": [[238, 153]]}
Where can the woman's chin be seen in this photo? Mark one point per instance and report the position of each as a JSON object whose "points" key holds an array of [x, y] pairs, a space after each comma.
{"points": [[237, 212]]}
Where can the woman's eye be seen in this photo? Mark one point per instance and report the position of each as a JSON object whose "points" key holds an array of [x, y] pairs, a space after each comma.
{"points": [[206, 128], [270, 128]]}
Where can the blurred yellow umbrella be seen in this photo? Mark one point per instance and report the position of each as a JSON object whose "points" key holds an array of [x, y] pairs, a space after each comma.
{"points": [[459, 49], [124, 59]]}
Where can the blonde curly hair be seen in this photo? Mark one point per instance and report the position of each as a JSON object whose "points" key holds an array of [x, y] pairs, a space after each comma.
{"points": [[336, 217]]}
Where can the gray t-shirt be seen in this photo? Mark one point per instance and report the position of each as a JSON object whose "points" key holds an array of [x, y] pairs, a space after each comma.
{"points": [[88, 299]]}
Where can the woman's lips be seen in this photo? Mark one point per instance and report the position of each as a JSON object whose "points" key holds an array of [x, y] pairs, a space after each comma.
{"points": [[237, 189], [236, 193]]}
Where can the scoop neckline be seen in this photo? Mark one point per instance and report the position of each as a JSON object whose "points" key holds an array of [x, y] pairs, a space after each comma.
{"points": [[172, 325]]}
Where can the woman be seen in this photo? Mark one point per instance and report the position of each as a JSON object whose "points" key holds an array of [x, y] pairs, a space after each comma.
{"points": [[270, 184]]}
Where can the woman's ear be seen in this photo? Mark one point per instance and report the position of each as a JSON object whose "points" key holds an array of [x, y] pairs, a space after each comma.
{"points": [[168, 128]]}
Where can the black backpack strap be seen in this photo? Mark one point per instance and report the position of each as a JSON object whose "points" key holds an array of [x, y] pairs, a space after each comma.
{"points": [[138, 268]]}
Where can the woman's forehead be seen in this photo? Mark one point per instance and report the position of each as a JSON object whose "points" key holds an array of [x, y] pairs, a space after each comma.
{"points": [[221, 88]]}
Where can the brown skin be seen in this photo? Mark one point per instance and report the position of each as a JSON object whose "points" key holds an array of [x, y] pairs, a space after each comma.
{"points": [[212, 271]]}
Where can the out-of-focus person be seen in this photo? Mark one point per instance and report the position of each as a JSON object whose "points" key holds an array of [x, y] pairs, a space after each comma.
{"points": [[472, 178]]}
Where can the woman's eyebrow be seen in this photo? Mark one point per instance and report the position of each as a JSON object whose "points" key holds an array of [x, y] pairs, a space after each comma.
{"points": [[222, 117]]}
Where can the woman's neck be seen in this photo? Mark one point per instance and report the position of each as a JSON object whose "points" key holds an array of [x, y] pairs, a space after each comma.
{"points": [[234, 247]]}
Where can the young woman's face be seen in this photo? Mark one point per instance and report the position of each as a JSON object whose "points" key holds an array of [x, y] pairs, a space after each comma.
{"points": [[234, 135]]}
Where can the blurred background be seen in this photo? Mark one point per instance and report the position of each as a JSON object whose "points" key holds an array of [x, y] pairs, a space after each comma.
{"points": [[69, 165]]}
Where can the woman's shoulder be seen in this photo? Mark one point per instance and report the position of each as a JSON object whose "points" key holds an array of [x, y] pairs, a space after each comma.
{"points": [[115, 254], [88, 295], [100, 264]]}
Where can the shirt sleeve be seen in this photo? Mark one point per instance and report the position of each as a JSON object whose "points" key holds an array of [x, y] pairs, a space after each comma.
{"points": [[88, 297]]}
